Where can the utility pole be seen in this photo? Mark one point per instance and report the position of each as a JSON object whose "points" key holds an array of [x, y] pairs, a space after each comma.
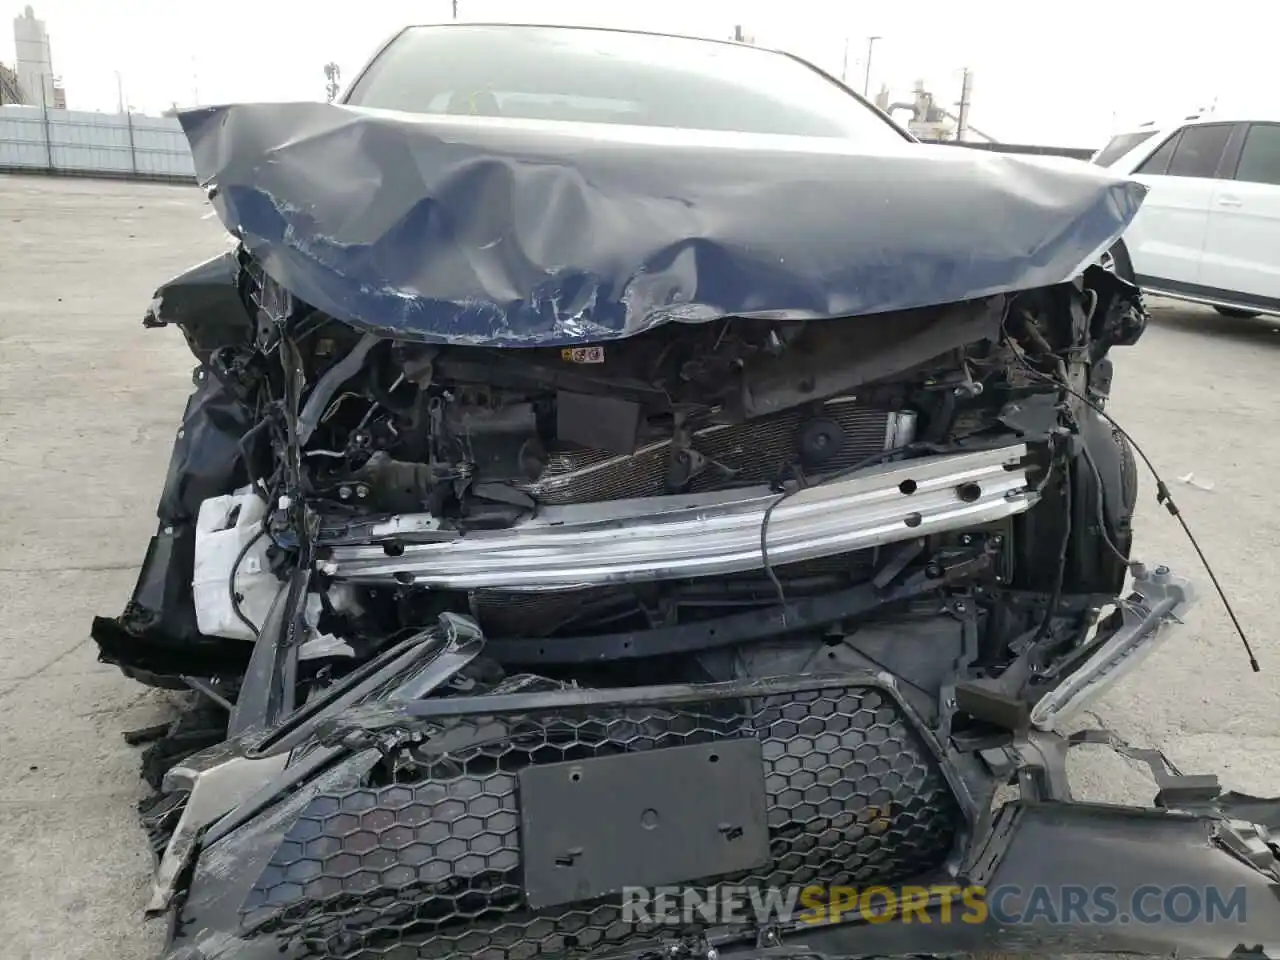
{"points": [[962, 114], [866, 82], [844, 63], [44, 111], [455, 9], [119, 93]]}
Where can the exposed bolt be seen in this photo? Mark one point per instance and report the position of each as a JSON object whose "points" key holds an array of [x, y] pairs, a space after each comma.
{"points": [[344, 493], [997, 540], [1161, 570], [960, 607], [966, 538], [181, 434], [362, 492], [713, 953]]}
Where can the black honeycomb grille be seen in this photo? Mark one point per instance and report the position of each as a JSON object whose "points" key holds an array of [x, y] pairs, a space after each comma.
{"points": [[430, 867]]}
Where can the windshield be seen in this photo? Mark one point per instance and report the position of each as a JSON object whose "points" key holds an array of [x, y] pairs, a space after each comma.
{"points": [[1119, 146], [606, 76]]}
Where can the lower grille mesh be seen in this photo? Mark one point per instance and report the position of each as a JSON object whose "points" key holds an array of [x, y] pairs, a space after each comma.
{"points": [[431, 868]]}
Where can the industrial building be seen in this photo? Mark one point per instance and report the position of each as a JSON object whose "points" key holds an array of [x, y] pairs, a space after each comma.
{"points": [[32, 80], [10, 89]]}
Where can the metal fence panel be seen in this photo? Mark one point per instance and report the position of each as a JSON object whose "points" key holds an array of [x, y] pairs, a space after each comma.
{"points": [[72, 141]]}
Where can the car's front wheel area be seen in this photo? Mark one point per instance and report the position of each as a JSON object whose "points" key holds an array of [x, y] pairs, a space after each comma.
{"points": [[1235, 313], [1116, 260]]}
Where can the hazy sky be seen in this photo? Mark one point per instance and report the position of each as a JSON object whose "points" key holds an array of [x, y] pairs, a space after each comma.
{"points": [[1064, 72]]}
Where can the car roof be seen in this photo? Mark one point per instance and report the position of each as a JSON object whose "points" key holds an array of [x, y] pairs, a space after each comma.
{"points": [[1159, 132], [532, 25], [1262, 115]]}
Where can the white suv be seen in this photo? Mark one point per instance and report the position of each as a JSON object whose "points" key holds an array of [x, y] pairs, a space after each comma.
{"points": [[1209, 229]]}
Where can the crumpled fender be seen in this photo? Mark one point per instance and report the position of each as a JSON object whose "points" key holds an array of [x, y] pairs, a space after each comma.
{"points": [[518, 233]]}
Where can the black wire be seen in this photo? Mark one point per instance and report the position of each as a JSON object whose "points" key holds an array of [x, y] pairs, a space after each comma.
{"points": [[768, 514], [1163, 497], [231, 582], [291, 360], [1101, 516], [243, 445], [1061, 575]]}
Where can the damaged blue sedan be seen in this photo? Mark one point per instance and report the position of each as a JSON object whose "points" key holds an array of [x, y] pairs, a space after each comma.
{"points": [[621, 462]]}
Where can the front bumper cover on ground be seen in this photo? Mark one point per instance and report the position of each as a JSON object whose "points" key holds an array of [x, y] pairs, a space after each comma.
{"points": [[853, 791], [1041, 850], [1032, 847]]}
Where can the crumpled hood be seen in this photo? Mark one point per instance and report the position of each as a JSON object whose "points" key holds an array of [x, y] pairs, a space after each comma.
{"points": [[519, 233]]}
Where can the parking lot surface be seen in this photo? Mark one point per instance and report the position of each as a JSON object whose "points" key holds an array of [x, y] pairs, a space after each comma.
{"points": [[89, 402]]}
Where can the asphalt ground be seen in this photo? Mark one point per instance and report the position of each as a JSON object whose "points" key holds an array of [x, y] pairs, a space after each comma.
{"points": [[89, 402]]}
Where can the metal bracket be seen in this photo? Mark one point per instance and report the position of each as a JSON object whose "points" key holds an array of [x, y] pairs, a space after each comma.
{"points": [[1042, 770], [947, 703]]}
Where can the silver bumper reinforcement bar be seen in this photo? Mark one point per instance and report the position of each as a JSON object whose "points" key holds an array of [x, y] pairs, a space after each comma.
{"points": [[694, 535]]}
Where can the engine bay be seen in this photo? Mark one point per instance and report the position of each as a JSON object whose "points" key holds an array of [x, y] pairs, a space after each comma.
{"points": [[929, 512], [637, 508]]}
